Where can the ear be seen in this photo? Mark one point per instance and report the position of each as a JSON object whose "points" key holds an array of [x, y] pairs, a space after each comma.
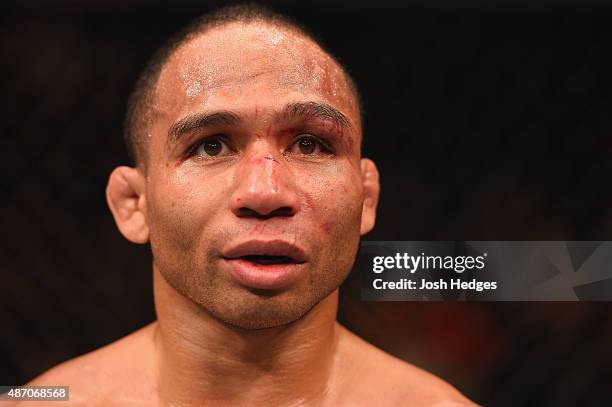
{"points": [[371, 190], [126, 200]]}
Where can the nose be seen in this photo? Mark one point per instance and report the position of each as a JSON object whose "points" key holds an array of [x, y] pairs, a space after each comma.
{"points": [[264, 188]]}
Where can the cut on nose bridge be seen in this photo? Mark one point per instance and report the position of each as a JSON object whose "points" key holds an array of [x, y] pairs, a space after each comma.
{"points": [[263, 168], [262, 160], [270, 157], [262, 153]]}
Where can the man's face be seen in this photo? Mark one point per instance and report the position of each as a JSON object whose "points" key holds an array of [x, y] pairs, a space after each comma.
{"points": [[253, 183]]}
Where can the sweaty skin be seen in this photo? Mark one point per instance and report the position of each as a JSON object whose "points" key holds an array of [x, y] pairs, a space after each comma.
{"points": [[242, 149]]}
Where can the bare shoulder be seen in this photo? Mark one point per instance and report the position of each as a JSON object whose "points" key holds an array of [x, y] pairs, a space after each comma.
{"points": [[387, 380], [122, 369]]}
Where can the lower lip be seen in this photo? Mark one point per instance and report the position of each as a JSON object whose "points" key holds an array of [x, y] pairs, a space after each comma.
{"points": [[264, 276]]}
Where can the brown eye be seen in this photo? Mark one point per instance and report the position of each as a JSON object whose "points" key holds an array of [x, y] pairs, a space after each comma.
{"points": [[307, 146], [212, 147]]}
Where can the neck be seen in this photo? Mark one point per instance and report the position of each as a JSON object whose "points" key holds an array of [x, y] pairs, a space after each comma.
{"points": [[202, 360]]}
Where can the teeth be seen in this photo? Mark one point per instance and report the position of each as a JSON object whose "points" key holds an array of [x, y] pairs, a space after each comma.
{"points": [[268, 259]]}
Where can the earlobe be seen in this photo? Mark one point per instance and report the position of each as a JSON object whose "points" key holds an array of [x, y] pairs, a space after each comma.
{"points": [[371, 190], [126, 200]]}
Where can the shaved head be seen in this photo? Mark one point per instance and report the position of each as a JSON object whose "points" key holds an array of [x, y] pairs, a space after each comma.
{"points": [[142, 104]]}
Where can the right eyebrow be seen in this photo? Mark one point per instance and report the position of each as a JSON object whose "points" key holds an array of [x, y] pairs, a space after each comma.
{"points": [[198, 121]]}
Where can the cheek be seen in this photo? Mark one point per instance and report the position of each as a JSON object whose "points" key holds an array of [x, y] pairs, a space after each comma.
{"points": [[334, 202], [180, 209]]}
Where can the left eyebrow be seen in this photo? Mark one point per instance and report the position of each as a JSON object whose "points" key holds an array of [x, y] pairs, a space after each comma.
{"points": [[315, 110]]}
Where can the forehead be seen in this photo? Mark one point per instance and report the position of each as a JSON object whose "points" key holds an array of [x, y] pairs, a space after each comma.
{"points": [[248, 65]]}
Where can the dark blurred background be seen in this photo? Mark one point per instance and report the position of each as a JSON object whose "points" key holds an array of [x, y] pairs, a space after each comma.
{"points": [[488, 122]]}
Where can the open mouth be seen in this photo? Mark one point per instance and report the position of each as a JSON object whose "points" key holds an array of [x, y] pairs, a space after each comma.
{"points": [[265, 260], [266, 252], [265, 264]]}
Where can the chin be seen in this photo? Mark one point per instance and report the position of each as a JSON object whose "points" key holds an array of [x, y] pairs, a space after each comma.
{"points": [[261, 312]]}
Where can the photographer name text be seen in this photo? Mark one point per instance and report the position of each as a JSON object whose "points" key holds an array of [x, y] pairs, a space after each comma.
{"points": [[404, 262]]}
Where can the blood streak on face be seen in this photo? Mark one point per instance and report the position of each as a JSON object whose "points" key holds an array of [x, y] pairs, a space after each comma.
{"points": [[253, 189]]}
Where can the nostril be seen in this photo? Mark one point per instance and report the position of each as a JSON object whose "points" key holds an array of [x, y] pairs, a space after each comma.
{"points": [[248, 212], [283, 211]]}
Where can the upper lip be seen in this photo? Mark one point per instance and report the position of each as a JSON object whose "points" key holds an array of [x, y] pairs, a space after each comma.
{"points": [[266, 248]]}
